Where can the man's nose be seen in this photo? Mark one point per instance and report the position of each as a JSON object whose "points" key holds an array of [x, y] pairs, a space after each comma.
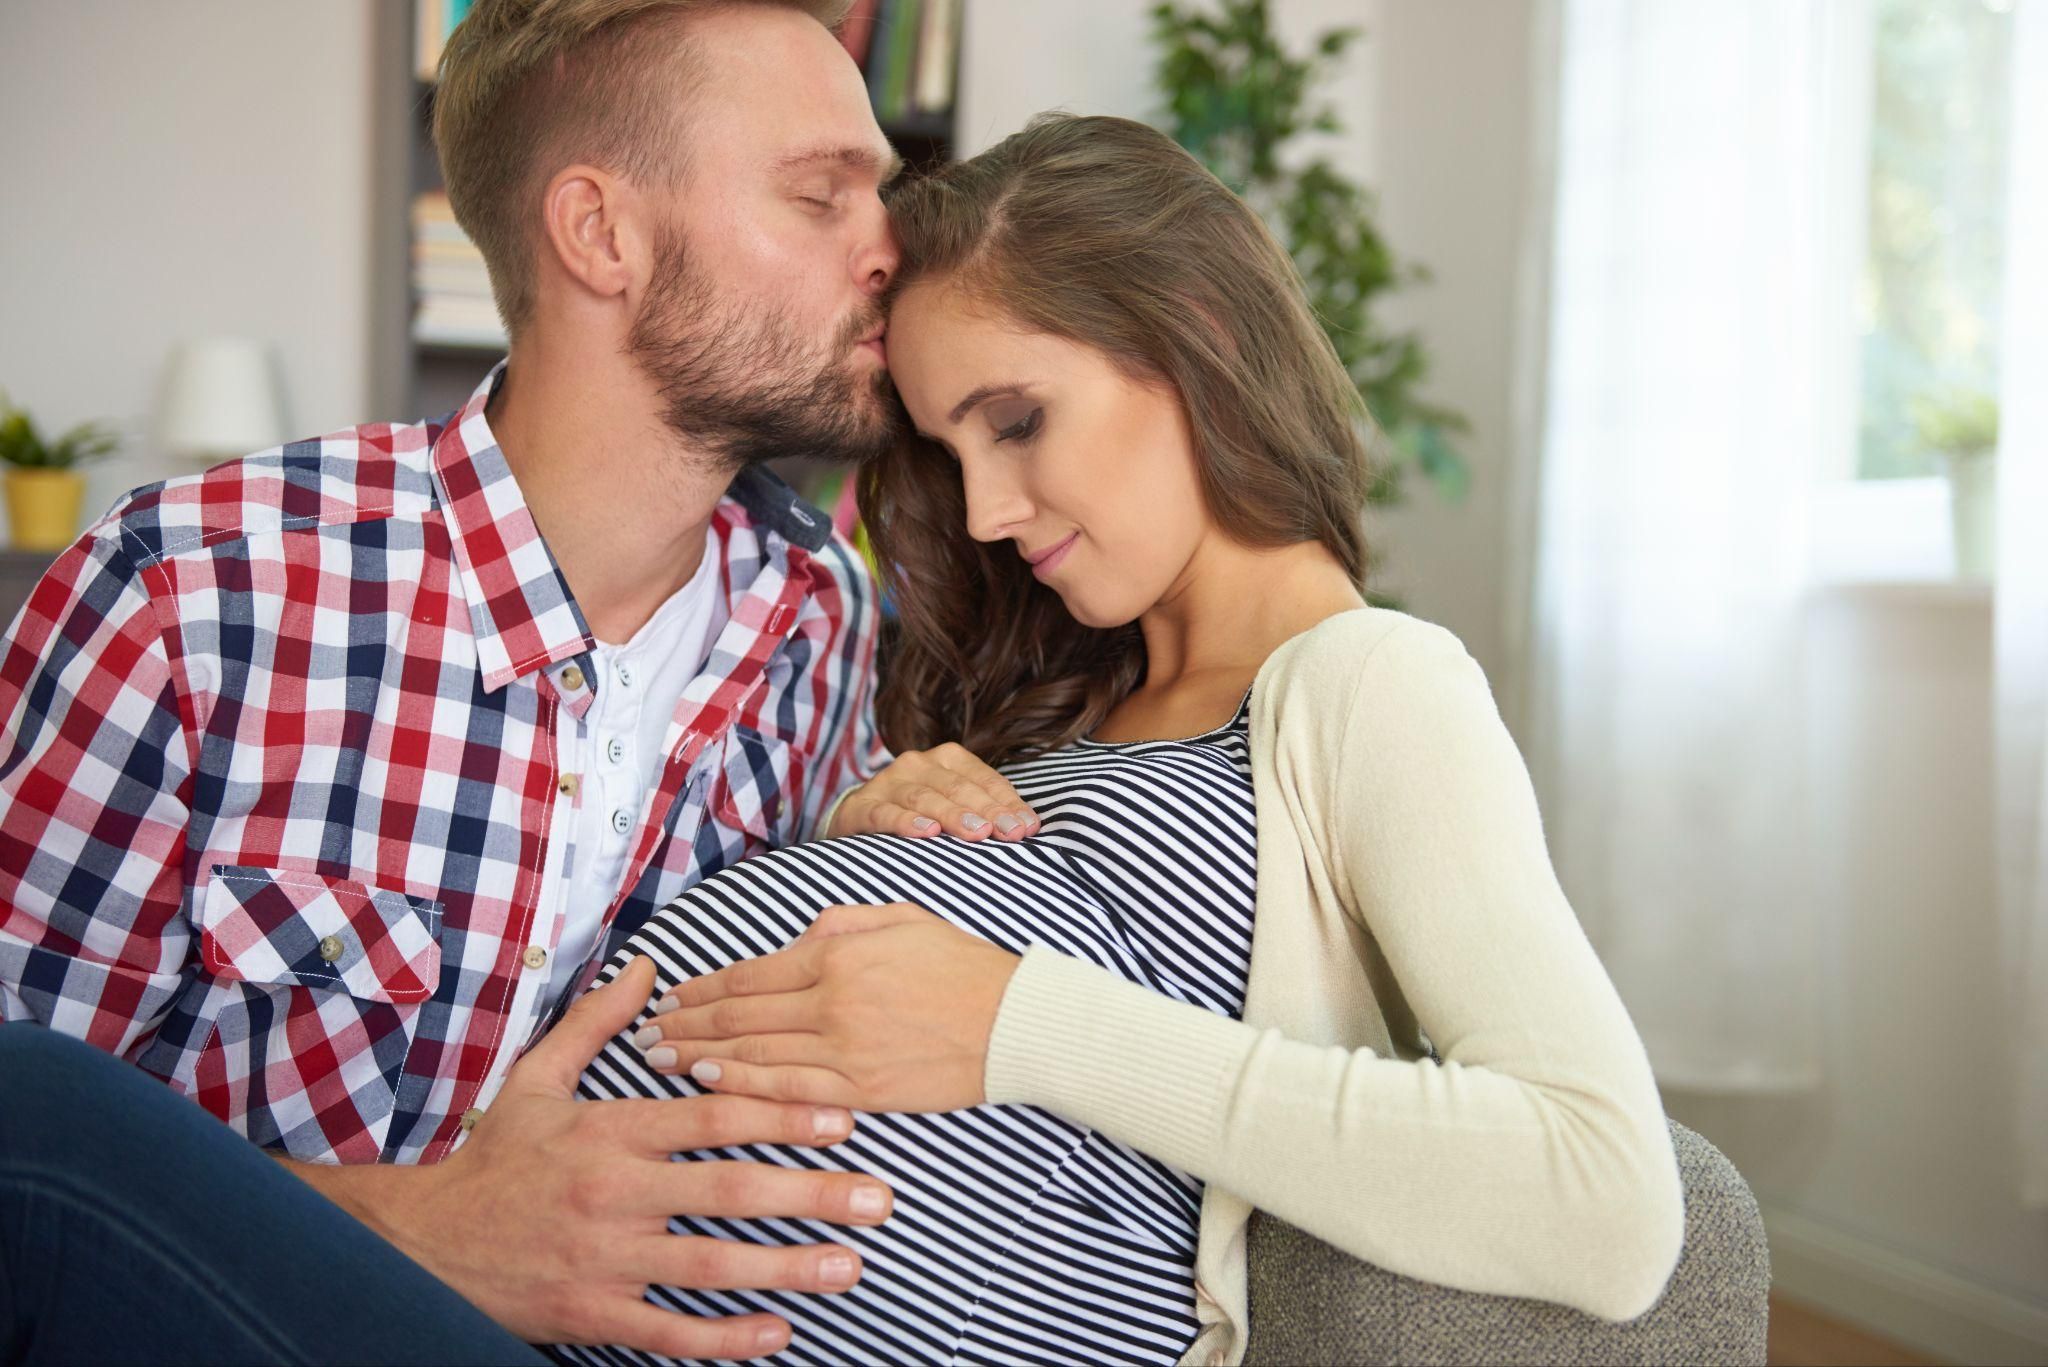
{"points": [[876, 264]]}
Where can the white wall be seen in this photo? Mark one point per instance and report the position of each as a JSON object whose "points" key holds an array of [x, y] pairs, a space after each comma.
{"points": [[179, 170]]}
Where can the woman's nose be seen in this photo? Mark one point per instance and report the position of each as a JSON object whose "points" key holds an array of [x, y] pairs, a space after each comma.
{"points": [[996, 508]]}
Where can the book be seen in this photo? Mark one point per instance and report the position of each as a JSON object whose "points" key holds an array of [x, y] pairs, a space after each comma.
{"points": [[937, 53], [433, 22], [904, 27]]}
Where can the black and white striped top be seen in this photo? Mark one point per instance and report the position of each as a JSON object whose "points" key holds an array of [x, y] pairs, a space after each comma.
{"points": [[1017, 1236]]}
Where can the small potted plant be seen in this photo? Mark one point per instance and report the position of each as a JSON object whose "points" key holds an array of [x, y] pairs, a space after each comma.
{"points": [[1961, 426], [45, 492]]}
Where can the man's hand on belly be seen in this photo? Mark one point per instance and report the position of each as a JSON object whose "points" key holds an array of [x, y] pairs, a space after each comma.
{"points": [[553, 1217]]}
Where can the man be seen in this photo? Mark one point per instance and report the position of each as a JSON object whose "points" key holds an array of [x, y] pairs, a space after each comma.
{"points": [[328, 777]]}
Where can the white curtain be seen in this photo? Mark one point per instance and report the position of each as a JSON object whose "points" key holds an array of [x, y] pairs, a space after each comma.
{"points": [[2021, 719], [1694, 404]]}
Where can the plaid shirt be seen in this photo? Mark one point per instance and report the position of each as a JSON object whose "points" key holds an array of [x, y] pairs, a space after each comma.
{"points": [[279, 780]]}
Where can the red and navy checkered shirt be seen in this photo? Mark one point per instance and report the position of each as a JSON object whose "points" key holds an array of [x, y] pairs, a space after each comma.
{"points": [[279, 767]]}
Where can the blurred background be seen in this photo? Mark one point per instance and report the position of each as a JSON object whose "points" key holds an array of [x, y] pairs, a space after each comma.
{"points": [[1708, 341]]}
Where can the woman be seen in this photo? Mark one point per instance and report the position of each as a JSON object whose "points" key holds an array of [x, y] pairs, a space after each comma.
{"points": [[1271, 922]]}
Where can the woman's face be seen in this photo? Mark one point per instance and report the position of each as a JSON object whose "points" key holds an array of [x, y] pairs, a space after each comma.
{"points": [[1089, 474]]}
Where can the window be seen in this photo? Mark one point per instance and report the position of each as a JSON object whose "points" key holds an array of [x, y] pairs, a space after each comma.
{"points": [[1928, 299]]}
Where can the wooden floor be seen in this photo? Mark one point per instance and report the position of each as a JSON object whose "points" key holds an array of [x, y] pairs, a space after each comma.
{"points": [[1804, 1337]]}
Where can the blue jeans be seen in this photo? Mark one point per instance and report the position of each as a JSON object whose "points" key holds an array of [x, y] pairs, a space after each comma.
{"points": [[136, 1227]]}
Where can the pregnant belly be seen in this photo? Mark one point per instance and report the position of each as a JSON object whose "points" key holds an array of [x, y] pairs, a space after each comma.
{"points": [[968, 1183]]}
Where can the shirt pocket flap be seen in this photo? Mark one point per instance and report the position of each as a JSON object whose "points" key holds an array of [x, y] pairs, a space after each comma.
{"points": [[291, 926], [758, 786]]}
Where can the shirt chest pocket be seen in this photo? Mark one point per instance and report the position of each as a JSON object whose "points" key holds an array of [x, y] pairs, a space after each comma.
{"points": [[317, 987], [758, 788]]}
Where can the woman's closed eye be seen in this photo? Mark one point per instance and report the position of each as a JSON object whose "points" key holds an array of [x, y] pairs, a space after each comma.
{"points": [[1024, 429]]}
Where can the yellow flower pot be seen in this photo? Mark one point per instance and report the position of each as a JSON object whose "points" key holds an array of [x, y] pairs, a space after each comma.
{"points": [[43, 508]]}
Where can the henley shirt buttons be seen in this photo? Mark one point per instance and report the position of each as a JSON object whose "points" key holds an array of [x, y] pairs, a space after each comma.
{"points": [[622, 822], [615, 750], [572, 678], [330, 948], [567, 783], [626, 675], [470, 1117], [535, 957]]}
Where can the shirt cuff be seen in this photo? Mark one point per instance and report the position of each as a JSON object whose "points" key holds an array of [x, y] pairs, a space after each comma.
{"points": [[1103, 1052]]}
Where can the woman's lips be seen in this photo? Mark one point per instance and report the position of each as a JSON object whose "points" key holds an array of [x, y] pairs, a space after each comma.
{"points": [[1050, 561], [876, 347]]}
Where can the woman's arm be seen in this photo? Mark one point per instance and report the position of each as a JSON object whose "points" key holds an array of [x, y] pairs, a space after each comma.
{"points": [[1534, 1160]]}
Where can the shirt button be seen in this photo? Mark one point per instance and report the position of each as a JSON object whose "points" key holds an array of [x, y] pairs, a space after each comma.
{"points": [[567, 783], [535, 957], [626, 675], [330, 948], [470, 1117], [572, 678], [622, 822], [615, 750]]}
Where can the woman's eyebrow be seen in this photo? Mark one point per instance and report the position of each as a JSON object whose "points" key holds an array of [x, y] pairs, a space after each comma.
{"points": [[884, 167], [982, 395]]}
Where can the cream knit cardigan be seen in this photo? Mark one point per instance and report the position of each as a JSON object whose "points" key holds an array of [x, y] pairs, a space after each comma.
{"points": [[1404, 891]]}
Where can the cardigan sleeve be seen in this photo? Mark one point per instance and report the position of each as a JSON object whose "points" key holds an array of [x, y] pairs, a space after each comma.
{"points": [[1534, 1159]]}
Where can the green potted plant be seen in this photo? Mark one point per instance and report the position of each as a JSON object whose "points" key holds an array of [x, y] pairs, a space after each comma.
{"points": [[1235, 98], [45, 492], [1961, 426]]}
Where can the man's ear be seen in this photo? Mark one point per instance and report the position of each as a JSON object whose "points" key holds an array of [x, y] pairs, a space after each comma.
{"points": [[592, 233]]}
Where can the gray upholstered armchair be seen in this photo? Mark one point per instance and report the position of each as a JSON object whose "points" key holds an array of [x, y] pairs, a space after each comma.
{"points": [[1313, 1304]]}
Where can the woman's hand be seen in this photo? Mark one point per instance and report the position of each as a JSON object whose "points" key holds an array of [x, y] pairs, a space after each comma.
{"points": [[874, 1008], [945, 789]]}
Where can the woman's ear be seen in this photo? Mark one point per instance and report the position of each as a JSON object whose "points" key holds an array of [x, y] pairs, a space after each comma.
{"points": [[591, 232]]}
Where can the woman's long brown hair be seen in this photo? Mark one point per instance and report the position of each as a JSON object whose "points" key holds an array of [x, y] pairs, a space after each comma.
{"points": [[1103, 232]]}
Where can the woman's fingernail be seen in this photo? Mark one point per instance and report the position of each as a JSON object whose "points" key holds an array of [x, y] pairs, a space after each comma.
{"points": [[829, 1122], [663, 1057], [1007, 822], [869, 1202], [973, 822], [704, 1070], [924, 823], [648, 1037], [666, 1005], [837, 1270]]}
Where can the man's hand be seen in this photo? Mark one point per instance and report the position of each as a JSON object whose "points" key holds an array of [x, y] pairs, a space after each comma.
{"points": [[552, 1218]]}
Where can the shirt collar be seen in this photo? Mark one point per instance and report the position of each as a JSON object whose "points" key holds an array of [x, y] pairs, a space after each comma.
{"points": [[520, 609]]}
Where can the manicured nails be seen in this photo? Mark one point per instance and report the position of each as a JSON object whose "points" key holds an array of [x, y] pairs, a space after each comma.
{"points": [[1008, 821], [666, 1005], [649, 1036], [869, 1202], [974, 821], [923, 824], [705, 1071], [663, 1057]]}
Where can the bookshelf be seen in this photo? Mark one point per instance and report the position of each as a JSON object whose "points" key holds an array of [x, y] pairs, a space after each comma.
{"points": [[434, 333]]}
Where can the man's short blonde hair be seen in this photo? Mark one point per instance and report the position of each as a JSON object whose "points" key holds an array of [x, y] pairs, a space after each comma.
{"points": [[530, 86]]}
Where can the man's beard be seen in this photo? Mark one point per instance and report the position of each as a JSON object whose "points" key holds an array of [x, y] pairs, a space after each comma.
{"points": [[741, 385]]}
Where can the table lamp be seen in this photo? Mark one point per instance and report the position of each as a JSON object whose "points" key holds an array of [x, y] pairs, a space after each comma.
{"points": [[221, 399]]}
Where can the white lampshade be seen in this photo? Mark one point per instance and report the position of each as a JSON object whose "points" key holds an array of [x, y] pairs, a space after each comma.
{"points": [[221, 399]]}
